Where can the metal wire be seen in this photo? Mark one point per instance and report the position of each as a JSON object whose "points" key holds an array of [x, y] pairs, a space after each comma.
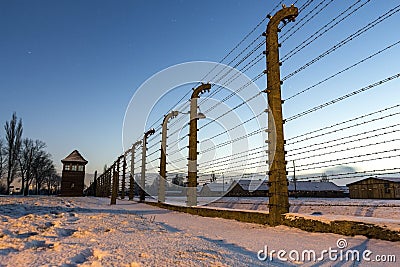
{"points": [[366, 88], [351, 37], [342, 71], [347, 121]]}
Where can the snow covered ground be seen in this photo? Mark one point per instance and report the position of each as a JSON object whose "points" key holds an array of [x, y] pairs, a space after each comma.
{"points": [[55, 231]]}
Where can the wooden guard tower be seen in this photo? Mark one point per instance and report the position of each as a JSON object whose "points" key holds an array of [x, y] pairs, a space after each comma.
{"points": [[73, 175]]}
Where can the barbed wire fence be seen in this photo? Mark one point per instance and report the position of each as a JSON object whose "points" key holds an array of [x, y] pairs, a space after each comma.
{"points": [[353, 143]]}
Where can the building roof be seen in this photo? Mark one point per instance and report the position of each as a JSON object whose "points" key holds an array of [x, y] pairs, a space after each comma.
{"points": [[389, 179], [253, 185], [217, 187], [75, 156], [314, 186]]}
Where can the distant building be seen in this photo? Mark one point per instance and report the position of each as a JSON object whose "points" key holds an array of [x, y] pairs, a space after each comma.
{"points": [[248, 188], [345, 190], [214, 189], [315, 189], [260, 188], [171, 189], [375, 188], [73, 175]]}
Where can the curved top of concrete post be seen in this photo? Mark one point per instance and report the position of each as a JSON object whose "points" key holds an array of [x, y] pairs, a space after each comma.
{"points": [[289, 13], [201, 89]]}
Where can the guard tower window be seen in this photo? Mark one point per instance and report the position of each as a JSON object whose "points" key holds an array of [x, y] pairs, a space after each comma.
{"points": [[80, 168], [67, 167], [73, 167]]}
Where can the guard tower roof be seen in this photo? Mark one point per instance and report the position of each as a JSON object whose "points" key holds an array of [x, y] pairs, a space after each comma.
{"points": [[74, 157]]}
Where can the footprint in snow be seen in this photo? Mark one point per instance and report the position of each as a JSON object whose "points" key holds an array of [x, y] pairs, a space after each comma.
{"points": [[57, 214], [72, 217], [34, 244], [80, 258], [64, 232], [26, 235], [6, 251]]}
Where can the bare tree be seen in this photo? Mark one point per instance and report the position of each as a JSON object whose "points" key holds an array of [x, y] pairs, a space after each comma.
{"points": [[25, 162], [2, 158], [213, 177], [324, 178], [105, 168], [178, 180], [52, 181], [13, 144], [42, 166], [30, 150]]}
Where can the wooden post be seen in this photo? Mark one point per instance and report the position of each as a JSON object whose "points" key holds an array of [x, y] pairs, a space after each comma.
{"points": [[106, 183], [118, 172], [98, 186], [123, 178], [108, 189], [104, 189], [131, 175], [114, 187], [95, 184]]}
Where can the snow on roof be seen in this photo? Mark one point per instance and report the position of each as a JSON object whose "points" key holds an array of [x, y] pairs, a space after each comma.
{"points": [[314, 186], [253, 185], [75, 156], [218, 187], [389, 179]]}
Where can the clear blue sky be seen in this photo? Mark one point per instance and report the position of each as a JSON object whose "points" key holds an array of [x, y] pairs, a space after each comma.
{"points": [[70, 68]]}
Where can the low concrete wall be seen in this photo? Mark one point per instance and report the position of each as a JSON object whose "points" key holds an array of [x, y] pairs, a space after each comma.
{"points": [[239, 215], [348, 228]]}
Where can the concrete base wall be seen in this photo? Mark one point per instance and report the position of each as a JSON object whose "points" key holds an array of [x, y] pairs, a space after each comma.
{"points": [[348, 228]]}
